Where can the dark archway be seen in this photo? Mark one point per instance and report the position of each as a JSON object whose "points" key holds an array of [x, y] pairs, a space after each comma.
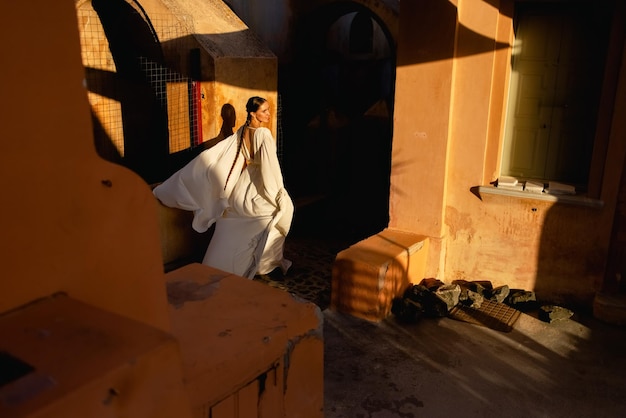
{"points": [[337, 118]]}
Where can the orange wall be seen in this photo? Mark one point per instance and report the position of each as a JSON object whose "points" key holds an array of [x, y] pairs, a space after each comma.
{"points": [[70, 221], [61, 212], [450, 93], [421, 119], [235, 64]]}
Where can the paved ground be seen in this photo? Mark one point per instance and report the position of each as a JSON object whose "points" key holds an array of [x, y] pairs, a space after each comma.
{"points": [[574, 368], [446, 368]]}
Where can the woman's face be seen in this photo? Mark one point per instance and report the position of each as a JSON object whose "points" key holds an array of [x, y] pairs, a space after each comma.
{"points": [[263, 113]]}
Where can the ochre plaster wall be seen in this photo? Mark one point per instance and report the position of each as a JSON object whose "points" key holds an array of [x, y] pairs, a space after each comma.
{"points": [[235, 64], [70, 221], [450, 95], [422, 116], [74, 223]]}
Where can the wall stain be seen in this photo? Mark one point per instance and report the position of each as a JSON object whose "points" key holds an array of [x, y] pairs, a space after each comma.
{"points": [[458, 222]]}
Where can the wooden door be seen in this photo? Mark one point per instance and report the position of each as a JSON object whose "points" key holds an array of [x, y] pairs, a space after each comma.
{"points": [[557, 66]]}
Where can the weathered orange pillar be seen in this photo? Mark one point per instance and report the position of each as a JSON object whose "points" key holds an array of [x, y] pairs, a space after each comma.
{"points": [[419, 163]]}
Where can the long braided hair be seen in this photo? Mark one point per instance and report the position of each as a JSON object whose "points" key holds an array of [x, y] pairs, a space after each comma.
{"points": [[252, 105]]}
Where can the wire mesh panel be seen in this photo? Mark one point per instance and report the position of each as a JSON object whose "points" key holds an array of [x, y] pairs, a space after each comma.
{"points": [[125, 124], [101, 86], [174, 93]]}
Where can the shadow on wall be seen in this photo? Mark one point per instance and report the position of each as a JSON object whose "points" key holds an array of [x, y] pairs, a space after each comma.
{"points": [[178, 159], [135, 49], [571, 262]]}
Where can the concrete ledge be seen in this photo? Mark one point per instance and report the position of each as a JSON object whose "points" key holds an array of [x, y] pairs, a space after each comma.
{"points": [[72, 359], [238, 336], [576, 200], [367, 276]]}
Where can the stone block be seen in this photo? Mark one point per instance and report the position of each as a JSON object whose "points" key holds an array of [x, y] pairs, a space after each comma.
{"points": [[368, 275], [245, 345]]}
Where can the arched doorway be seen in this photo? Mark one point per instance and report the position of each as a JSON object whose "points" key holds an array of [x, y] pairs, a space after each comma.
{"points": [[338, 112]]}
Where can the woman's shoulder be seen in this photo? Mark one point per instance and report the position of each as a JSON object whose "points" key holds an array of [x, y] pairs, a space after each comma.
{"points": [[262, 130], [262, 133]]}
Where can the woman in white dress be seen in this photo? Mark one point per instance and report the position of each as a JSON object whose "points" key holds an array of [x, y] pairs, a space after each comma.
{"points": [[238, 185]]}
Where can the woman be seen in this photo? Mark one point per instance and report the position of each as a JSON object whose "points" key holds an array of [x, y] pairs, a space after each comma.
{"points": [[238, 185]]}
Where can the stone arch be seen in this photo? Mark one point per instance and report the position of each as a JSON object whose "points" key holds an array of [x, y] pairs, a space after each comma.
{"points": [[386, 12], [313, 21]]}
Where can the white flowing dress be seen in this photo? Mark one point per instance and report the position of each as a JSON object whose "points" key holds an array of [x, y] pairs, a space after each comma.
{"points": [[252, 215]]}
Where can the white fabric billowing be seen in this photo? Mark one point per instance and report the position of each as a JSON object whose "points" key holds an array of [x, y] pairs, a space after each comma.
{"points": [[253, 215]]}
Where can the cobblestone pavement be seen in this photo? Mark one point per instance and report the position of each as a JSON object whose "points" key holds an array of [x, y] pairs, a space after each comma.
{"points": [[317, 235], [310, 275]]}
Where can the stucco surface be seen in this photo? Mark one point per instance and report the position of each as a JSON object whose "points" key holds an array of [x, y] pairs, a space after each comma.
{"points": [[451, 86]]}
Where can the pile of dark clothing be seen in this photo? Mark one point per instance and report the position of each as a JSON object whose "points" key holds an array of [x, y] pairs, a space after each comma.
{"points": [[432, 298]]}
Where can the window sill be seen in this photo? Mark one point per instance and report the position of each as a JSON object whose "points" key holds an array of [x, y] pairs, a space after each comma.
{"points": [[576, 200]]}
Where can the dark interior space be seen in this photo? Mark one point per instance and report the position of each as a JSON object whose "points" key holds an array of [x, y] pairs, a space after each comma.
{"points": [[336, 116], [337, 121]]}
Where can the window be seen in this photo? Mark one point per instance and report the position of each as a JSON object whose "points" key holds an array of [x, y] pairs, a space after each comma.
{"points": [[556, 81]]}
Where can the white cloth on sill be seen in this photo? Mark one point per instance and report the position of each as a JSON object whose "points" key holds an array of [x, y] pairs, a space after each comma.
{"points": [[253, 215]]}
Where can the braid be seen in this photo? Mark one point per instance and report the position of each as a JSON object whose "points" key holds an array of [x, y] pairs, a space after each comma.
{"points": [[239, 144], [251, 106]]}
